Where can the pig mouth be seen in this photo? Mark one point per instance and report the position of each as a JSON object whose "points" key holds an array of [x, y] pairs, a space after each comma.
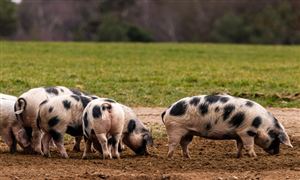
{"points": [[141, 151]]}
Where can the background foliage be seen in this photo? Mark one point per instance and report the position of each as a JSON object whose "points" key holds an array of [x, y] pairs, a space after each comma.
{"points": [[155, 74], [234, 21]]}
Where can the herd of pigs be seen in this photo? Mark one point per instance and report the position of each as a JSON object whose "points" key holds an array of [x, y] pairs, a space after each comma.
{"points": [[40, 117]]}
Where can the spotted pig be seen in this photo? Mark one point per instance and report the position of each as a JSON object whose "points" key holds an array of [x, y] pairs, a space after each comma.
{"points": [[60, 115], [27, 105], [135, 134], [223, 117], [106, 120]]}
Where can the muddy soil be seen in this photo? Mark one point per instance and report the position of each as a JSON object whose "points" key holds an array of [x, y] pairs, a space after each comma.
{"points": [[210, 159]]}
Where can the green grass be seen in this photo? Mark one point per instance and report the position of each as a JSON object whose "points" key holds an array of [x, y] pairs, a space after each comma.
{"points": [[155, 74]]}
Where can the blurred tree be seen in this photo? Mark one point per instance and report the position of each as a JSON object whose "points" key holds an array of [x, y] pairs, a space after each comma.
{"points": [[117, 6], [113, 25], [231, 28], [7, 18], [274, 24], [112, 28]]}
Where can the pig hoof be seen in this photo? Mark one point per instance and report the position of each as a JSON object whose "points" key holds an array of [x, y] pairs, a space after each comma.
{"points": [[83, 157], [47, 155], [239, 155]]}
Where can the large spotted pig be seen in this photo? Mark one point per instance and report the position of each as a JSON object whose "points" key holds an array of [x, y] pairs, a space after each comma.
{"points": [[135, 134], [106, 120], [11, 130], [60, 115], [27, 105], [223, 117]]}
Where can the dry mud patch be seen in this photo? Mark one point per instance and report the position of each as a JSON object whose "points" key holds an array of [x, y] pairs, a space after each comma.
{"points": [[210, 159]]}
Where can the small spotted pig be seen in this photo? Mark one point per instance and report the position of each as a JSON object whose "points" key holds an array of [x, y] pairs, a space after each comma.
{"points": [[223, 117], [11, 130], [27, 105], [106, 120], [135, 134], [60, 115]]}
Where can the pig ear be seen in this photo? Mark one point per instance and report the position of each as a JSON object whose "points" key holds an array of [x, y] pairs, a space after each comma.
{"points": [[284, 139], [131, 126]]}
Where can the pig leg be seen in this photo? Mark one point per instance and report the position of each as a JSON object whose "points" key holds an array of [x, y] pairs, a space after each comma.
{"points": [[87, 147], [20, 135], [248, 143], [174, 138], [10, 140], [60, 145], [115, 147], [184, 142], [121, 146], [46, 139], [76, 147], [239, 145], [36, 140], [103, 141]]}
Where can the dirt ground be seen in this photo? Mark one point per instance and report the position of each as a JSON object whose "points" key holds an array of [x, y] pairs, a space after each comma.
{"points": [[210, 159]]}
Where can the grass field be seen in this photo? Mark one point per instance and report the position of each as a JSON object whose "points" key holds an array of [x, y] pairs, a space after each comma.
{"points": [[155, 74]]}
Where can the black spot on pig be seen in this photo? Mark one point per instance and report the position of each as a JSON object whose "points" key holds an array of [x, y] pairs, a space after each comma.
{"points": [[131, 126], [94, 97], [212, 99], [274, 146], [50, 109], [178, 109], [256, 122], [75, 91], [75, 97], [67, 104], [276, 123], [74, 130], [110, 100], [84, 101], [96, 111], [62, 90], [53, 121], [228, 109], [249, 104], [51, 90], [85, 120], [55, 135], [106, 107], [224, 99], [195, 101], [208, 126], [203, 108], [272, 134], [251, 133], [237, 119]]}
